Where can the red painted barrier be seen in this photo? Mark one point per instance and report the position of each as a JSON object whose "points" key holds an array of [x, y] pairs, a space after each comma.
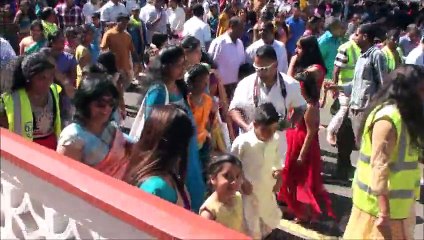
{"points": [[145, 212]]}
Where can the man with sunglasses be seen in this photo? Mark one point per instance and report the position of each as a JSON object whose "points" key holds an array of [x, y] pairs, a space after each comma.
{"points": [[267, 34], [266, 85]]}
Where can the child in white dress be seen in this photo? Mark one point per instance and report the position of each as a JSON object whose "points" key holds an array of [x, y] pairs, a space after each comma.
{"points": [[258, 150]]}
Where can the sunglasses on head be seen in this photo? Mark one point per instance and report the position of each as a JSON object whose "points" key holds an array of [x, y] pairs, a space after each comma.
{"points": [[260, 69]]}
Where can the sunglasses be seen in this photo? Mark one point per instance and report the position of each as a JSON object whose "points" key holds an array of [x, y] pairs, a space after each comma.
{"points": [[102, 103], [260, 69]]}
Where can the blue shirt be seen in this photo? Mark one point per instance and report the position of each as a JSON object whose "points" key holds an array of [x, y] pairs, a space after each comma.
{"points": [[159, 187], [328, 45], [297, 28]]}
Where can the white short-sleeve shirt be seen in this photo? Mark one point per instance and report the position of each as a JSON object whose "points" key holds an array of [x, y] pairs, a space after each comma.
{"points": [[416, 56], [109, 12], [148, 14], [244, 96], [176, 19], [229, 56], [88, 10], [197, 28], [280, 50]]}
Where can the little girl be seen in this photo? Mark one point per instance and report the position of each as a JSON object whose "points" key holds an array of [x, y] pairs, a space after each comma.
{"points": [[225, 204], [201, 104]]}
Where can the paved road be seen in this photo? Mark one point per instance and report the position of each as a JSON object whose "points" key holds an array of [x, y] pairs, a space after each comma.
{"points": [[341, 195]]}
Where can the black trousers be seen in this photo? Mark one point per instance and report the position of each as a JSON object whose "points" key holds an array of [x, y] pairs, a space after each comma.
{"points": [[345, 145]]}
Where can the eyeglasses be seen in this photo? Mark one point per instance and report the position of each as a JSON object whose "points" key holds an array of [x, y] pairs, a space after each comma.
{"points": [[260, 69], [102, 103]]}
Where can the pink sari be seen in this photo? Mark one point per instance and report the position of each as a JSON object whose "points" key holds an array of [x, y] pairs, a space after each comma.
{"points": [[116, 161]]}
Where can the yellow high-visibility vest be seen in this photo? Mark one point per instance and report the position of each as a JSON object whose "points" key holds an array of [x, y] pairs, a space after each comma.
{"points": [[19, 112], [390, 58], [353, 52], [404, 176]]}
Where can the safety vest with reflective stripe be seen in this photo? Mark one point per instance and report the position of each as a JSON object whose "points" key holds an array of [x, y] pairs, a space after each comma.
{"points": [[353, 52], [19, 112], [404, 174], [390, 58]]}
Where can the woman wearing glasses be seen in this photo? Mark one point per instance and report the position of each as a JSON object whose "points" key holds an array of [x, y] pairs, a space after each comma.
{"points": [[93, 138]]}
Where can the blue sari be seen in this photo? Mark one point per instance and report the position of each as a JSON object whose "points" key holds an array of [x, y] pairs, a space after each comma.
{"points": [[156, 95]]}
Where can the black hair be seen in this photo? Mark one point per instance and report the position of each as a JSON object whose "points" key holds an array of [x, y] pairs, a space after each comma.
{"points": [[159, 39], [31, 11], [266, 114], [266, 52], [198, 10], [371, 30], [46, 13], [37, 23], [96, 15], [19, 81], [85, 29], [159, 68], [266, 16], [108, 60], [94, 68], [245, 70], [234, 22], [206, 58], [269, 26], [311, 54], [393, 33], [309, 86], [216, 164], [53, 37], [92, 87], [190, 43], [251, 18], [193, 74], [71, 32], [400, 88]]}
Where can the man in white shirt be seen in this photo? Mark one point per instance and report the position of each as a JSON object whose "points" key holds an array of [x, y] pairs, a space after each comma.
{"points": [[197, 28], [416, 56], [176, 17], [227, 51], [88, 9], [131, 4], [111, 10], [155, 18], [266, 32], [266, 85]]}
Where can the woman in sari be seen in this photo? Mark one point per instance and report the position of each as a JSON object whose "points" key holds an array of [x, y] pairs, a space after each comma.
{"points": [[35, 41], [158, 162], [165, 87], [93, 138]]}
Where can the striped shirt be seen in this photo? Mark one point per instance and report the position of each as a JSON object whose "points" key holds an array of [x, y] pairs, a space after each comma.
{"points": [[69, 16]]}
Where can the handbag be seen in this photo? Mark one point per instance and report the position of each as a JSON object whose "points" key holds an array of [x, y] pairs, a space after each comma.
{"points": [[140, 119]]}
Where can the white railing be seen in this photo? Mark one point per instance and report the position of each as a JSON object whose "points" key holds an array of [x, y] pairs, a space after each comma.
{"points": [[47, 196]]}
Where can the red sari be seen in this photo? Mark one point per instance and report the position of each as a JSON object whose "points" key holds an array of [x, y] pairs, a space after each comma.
{"points": [[302, 185]]}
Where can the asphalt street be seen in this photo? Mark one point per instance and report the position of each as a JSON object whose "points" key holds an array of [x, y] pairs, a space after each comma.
{"points": [[340, 191]]}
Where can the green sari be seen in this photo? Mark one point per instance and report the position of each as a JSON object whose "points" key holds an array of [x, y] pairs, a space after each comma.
{"points": [[36, 47]]}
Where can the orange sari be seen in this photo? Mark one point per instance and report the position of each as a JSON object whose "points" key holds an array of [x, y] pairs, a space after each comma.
{"points": [[116, 161]]}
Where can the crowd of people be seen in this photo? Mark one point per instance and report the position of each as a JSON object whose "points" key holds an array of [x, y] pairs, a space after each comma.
{"points": [[232, 92]]}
